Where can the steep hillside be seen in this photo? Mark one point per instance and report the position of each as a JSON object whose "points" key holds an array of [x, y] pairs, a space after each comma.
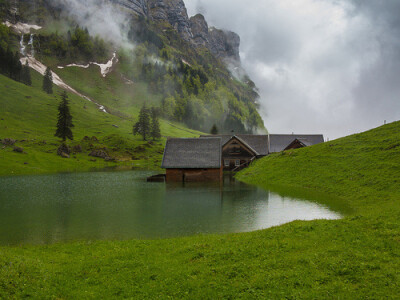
{"points": [[353, 167], [158, 55], [29, 116]]}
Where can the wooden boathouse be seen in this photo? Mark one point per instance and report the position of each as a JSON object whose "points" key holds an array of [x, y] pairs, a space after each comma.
{"points": [[193, 159]]}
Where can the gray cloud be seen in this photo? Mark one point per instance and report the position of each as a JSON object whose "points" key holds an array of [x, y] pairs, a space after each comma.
{"points": [[101, 17], [329, 66]]}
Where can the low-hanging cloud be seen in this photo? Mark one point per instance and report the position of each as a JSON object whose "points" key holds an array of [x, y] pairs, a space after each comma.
{"points": [[328, 66], [101, 17]]}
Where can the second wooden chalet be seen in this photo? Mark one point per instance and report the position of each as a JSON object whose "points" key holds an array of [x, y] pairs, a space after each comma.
{"points": [[238, 151]]}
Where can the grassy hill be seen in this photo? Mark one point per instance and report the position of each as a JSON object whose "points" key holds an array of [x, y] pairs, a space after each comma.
{"points": [[357, 257], [358, 167], [29, 115]]}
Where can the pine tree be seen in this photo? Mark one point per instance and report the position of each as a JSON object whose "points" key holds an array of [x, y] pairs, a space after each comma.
{"points": [[64, 123], [142, 127], [214, 130], [48, 81], [155, 125], [26, 74], [16, 67]]}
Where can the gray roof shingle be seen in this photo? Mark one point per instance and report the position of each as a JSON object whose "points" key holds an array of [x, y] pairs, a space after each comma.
{"points": [[278, 142], [192, 153]]}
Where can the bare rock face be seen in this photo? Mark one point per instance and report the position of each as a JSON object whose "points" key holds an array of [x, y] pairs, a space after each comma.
{"points": [[174, 12], [224, 44], [138, 7], [199, 28]]}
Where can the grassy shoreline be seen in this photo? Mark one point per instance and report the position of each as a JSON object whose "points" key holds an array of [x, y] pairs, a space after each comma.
{"points": [[352, 258], [29, 116]]}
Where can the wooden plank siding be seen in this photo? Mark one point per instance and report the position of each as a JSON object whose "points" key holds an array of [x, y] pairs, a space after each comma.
{"points": [[236, 153], [194, 175]]}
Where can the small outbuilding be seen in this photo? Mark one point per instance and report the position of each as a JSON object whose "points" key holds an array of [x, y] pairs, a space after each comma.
{"points": [[193, 159], [281, 142]]}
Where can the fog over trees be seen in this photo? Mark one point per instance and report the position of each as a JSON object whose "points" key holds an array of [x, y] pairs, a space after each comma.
{"points": [[326, 66]]}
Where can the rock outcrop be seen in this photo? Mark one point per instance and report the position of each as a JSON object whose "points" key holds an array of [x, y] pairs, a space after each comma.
{"points": [[174, 12], [138, 7], [223, 44], [8, 142], [64, 150], [200, 31]]}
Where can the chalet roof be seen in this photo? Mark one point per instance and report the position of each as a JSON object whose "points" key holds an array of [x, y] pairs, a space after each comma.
{"points": [[306, 142], [192, 153], [243, 142], [279, 142], [258, 143], [302, 142]]}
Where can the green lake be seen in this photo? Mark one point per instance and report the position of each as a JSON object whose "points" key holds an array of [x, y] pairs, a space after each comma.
{"points": [[122, 205]]}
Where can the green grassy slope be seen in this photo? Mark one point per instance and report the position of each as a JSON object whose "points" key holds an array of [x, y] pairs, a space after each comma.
{"points": [[29, 115], [364, 168], [110, 91], [357, 257]]}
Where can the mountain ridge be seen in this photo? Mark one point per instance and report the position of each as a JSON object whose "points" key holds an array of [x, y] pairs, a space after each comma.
{"points": [[185, 64]]}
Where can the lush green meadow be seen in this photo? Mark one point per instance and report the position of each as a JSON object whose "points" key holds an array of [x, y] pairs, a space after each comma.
{"points": [[357, 257], [29, 116]]}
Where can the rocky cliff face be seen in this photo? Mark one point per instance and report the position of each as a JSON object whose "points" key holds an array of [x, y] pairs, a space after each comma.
{"points": [[139, 7], [223, 44], [174, 12]]}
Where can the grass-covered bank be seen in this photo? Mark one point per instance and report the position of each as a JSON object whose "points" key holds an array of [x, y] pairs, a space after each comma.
{"points": [[362, 168], [357, 257], [29, 115]]}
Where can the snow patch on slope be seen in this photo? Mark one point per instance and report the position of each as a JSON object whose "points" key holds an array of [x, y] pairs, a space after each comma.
{"points": [[104, 68], [22, 28], [41, 68]]}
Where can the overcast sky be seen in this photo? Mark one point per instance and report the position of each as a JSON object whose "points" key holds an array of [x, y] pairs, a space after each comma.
{"points": [[322, 66]]}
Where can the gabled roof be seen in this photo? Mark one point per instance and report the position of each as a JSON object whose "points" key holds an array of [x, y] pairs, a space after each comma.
{"points": [[259, 143], [279, 142], [306, 142], [242, 142], [193, 153], [301, 142]]}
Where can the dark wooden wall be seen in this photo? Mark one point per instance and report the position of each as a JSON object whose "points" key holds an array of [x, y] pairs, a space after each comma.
{"points": [[193, 175]]}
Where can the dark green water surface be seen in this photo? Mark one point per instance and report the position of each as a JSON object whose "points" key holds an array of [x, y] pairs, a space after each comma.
{"points": [[122, 205]]}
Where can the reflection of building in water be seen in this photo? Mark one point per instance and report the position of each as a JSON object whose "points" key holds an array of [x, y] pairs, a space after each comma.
{"points": [[212, 206]]}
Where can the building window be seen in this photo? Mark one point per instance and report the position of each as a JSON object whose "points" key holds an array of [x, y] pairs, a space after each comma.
{"points": [[237, 163], [226, 163]]}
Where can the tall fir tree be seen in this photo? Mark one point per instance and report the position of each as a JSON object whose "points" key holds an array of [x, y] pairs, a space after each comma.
{"points": [[64, 123], [155, 125], [214, 130], [142, 127], [48, 81], [26, 74]]}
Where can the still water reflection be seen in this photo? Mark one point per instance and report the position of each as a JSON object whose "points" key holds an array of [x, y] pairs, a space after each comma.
{"points": [[122, 205]]}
